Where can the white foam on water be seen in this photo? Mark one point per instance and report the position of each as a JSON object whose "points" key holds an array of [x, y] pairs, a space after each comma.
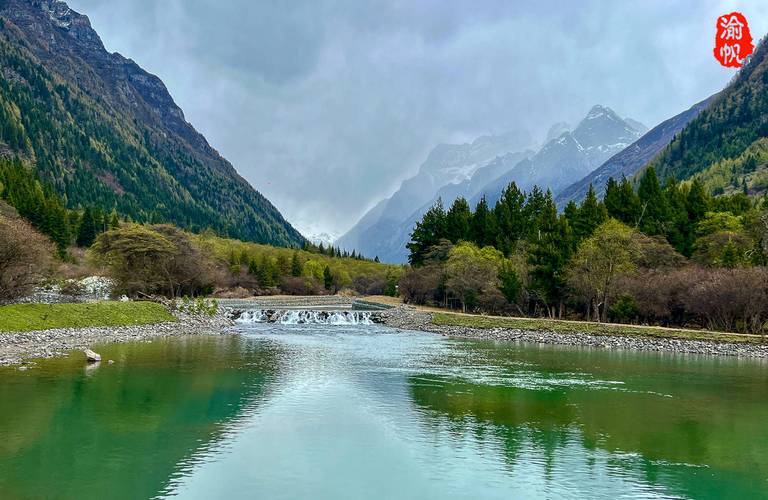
{"points": [[302, 317]]}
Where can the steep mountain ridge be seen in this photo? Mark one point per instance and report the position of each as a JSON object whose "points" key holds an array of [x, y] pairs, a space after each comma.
{"points": [[735, 122], [446, 164], [569, 157], [631, 159], [103, 131]]}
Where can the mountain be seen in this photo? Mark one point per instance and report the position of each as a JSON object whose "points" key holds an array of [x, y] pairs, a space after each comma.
{"points": [[102, 131], [627, 162], [446, 164], [569, 157], [391, 246], [725, 145]]}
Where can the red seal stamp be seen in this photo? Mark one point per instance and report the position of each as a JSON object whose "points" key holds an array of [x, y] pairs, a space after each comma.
{"points": [[733, 41]]}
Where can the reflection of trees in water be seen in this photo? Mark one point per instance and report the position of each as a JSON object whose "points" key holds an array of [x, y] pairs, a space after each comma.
{"points": [[125, 428], [647, 436]]}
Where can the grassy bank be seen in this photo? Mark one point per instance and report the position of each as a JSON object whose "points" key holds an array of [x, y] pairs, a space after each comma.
{"points": [[560, 326], [28, 317]]}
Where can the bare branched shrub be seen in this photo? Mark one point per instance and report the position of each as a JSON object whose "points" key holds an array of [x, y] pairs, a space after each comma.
{"points": [[420, 285], [25, 257], [731, 299]]}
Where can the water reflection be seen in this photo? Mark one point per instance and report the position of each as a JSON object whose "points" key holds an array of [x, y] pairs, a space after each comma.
{"points": [[121, 430], [313, 411], [692, 425]]}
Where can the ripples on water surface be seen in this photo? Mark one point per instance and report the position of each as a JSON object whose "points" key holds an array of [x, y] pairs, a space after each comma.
{"points": [[318, 411]]}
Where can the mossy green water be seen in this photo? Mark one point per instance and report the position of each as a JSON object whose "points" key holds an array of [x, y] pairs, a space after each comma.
{"points": [[319, 411], [29, 317]]}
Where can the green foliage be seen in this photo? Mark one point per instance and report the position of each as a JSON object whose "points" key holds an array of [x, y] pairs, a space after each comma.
{"points": [[726, 129], [197, 305], [427, 233], [624, 310], [96, 150], [327, 278], [21, 188]]}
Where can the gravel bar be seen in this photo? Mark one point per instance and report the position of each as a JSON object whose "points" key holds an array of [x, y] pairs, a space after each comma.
{"points": [[409, 318], [17, 348]]}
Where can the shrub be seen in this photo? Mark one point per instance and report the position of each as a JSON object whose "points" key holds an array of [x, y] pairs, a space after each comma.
{"points": [[25, 257]]}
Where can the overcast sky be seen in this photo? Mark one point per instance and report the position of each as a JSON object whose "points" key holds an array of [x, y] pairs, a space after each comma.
{"points": [[326, 105]]}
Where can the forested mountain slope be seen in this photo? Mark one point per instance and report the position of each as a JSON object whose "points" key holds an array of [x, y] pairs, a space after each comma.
{"points": [[104, 132], [716, 141]]}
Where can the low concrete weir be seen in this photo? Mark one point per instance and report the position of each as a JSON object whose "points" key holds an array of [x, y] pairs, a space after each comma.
{"points": [[306, 316]]}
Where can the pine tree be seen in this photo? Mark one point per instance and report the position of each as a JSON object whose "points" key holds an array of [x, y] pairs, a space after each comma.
{"points": [[457, 221], [327, 278], [621, 202], [480, 228], [88, 230], [427, 233], [296, 266], [510, 218], [654, 210], [591, 214], [551, 248]]}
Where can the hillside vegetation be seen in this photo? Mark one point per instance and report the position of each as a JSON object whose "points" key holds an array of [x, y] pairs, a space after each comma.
{"points": [[725, 144], [102, 132]]}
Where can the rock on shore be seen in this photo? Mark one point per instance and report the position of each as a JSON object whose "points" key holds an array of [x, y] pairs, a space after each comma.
{"points": [[409, 318]]}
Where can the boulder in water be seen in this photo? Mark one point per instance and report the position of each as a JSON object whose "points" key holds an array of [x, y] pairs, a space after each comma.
{"points": [[91, 356]]}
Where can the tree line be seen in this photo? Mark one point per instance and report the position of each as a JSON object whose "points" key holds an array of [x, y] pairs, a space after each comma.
{"points": [[595, 260]]}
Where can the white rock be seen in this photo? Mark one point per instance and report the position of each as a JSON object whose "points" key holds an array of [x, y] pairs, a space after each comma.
{"points": [[92, 356]]}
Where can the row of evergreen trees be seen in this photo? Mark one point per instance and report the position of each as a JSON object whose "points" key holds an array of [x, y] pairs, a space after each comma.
{"points": [[46, 210], [332, 251], [529, 224]]}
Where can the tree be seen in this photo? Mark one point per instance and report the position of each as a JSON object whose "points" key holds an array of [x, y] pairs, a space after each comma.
{"points": [[597, 263], [552, 246], [471, 272], [510, 284], [296, 266], [157, 259], [25, 255], [621, 202], [87, 232], [428, 232], [654, 211], [457, 221], [327, 278], [481, 229], [591, 214]]}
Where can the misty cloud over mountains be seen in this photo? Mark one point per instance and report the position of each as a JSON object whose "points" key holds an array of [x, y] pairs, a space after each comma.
{"points": [[326, 106]]}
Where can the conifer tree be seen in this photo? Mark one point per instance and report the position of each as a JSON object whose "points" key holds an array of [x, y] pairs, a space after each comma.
{"points": [[621, 202], [427, 233], [87, 232], [327, 278], [457, 221], [481, 229], [654, 210], [591, 214], [296, 267]]}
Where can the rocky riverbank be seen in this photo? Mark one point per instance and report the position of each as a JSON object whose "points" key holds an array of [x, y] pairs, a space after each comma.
{"points": [[18, 348], [409, 318]]}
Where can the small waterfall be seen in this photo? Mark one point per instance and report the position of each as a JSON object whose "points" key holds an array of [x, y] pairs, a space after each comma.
{"points": [[304, 317]]}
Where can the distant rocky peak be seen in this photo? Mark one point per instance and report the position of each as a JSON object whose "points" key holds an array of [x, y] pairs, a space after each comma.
{"points": [[602, 126], [557, 130], [58, 12]]}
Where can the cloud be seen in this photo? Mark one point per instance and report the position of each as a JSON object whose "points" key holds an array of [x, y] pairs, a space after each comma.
{"points": [[325, 106]]}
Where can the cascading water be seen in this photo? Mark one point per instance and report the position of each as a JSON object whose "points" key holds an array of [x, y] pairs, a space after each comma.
{"points": [[301, 317]]}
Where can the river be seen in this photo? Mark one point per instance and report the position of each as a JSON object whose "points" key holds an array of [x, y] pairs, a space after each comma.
{"points": [[364, 411]]}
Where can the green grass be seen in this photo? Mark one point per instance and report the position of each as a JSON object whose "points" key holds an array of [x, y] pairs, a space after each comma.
{"points": [[28, 317], [560, 326]]}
